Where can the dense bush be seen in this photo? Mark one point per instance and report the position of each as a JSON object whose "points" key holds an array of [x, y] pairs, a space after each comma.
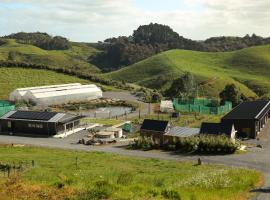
{"points": [[143, 143], [203, 144], [41, 40]]}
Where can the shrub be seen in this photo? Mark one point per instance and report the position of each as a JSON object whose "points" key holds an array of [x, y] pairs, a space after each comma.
{"points": [[203, 144], [171, 194], [143, 143], [101, 190]]}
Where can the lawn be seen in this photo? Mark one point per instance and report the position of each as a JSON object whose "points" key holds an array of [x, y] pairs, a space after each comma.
{"points": [[106, 122], [191, 120], [109, 176]]}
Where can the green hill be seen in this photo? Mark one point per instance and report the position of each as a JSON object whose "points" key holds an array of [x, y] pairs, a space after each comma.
{"points": [[12, 78], [73, 58], [249, 69]]}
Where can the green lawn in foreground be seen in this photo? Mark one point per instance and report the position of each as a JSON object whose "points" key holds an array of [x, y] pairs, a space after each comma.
{"points": [[109, 176]]}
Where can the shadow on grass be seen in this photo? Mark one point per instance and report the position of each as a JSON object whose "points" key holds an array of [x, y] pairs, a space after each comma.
{"points": [[261, 190], [174, 153]]}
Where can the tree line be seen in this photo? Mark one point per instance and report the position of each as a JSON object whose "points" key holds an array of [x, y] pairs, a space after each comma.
{"points": [[152, 39], [41, 40]]}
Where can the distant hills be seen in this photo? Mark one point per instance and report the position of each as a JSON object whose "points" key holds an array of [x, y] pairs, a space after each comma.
{"points": [[153, 56], [248, 68], [74, 56], [152, 39]]}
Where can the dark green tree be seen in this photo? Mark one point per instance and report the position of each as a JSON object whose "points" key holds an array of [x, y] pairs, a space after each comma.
{"points": [[231, 93], [183, 87]]}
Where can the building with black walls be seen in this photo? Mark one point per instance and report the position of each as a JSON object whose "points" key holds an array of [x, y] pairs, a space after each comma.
{"points": [[38, 123], [249, 117]]}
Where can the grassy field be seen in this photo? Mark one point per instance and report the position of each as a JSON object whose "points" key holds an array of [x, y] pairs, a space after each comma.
{"points": [[75, 57], [108, 176], [12, 78], [186, 120], [249, 69], [106, 122]]}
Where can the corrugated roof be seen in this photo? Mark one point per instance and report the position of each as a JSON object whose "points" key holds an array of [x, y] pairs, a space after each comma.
{"points": [[183, 131], [249, 110]]}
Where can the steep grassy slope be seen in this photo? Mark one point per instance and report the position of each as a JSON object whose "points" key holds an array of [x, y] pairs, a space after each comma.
{"points": [[249, 69], [75, 57]]}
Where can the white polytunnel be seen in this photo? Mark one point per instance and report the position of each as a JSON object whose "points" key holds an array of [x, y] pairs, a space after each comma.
{"points": [[17, 94], [60, 94]]}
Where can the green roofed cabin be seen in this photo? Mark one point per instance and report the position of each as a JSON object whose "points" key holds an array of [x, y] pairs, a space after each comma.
{"points": [[249, 118], [38, 123]]}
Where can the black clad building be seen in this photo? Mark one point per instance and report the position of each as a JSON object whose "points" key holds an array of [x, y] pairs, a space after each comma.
{"points": [[249, 117], [38, 123]]}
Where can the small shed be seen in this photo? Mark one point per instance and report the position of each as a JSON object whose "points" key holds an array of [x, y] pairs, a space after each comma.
{"points": [[166, 106], [128, 127], [218, 129], [154, 129]]}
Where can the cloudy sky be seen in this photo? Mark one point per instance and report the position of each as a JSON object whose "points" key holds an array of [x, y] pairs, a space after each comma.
{"points": [[96, 20]]}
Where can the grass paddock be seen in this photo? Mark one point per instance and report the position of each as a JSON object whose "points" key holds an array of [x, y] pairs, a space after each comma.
{"points": [[110, 176]]}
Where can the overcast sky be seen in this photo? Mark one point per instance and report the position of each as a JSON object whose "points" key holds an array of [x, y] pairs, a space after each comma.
{"points": [[96, 20]]}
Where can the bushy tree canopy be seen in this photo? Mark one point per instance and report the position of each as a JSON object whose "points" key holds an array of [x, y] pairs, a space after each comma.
{"points": [[231, 93], [183, 87], [41, 40]]}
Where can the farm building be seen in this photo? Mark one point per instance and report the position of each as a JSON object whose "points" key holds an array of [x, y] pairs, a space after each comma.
{"points": [[59, 94], [162, 133], [38, 123], [17, 94], [248, 118], [218, 129], [5, 107]]}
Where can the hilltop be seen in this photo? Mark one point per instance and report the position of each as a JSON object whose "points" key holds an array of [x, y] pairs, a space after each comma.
{"points": [[75, 57], [248, 68]]}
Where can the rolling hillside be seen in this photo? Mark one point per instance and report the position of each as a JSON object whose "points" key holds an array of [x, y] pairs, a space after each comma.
{"points": [[11, 78], [75, 57], [249, 69]]}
